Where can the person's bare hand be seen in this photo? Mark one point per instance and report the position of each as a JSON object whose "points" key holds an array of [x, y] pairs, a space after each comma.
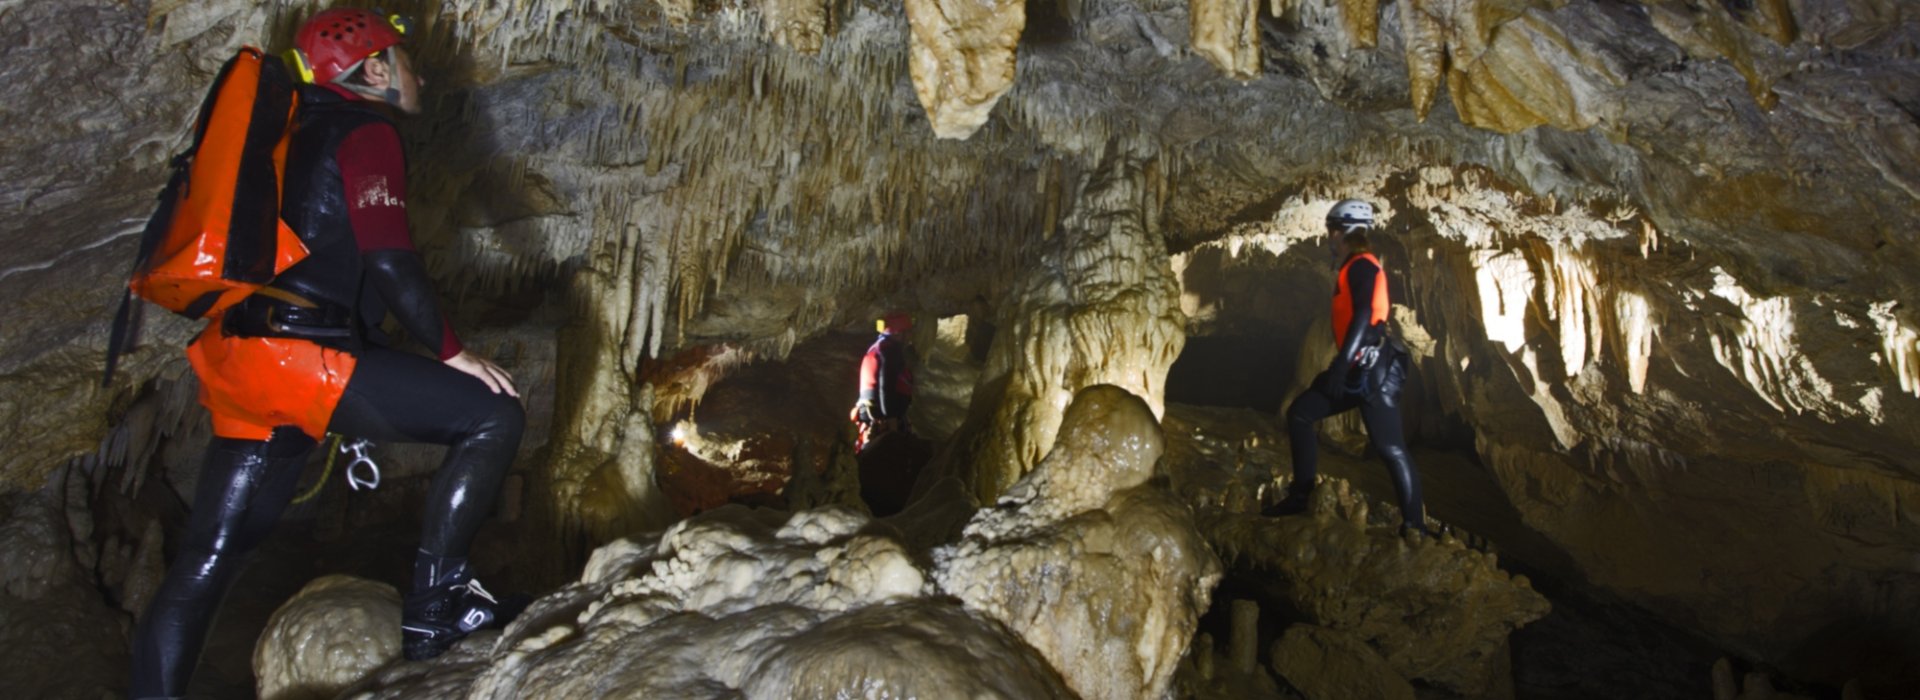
{"points": [[485, 370]]}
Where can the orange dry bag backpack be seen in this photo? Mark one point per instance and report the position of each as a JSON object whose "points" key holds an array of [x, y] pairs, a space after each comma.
{"points": [[217, 235]]}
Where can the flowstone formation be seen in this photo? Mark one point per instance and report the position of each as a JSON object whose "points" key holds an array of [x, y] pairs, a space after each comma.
{"points": [[739, 603], [1115, 614], [1436, 611], [332, 633], [1087, 581], [1102, 308], [963, 58]]}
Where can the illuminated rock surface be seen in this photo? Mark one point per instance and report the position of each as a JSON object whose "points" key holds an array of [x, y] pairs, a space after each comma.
{"points": [[1656, 260], [739, 603], [331, 634], [1099, 570], [1435, 611]]}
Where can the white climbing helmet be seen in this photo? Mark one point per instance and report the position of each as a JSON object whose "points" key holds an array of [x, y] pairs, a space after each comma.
{"points": [[1349, 214]]}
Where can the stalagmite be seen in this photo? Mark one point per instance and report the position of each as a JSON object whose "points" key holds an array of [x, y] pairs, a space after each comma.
{"points": [[741, 604], [1116, 617], [1327, 663], [1103, 309], [962, 59], [1243, 648], [331, 634]]}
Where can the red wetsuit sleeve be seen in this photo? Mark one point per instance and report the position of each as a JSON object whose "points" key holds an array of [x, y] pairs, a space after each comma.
{"points": [[870, 375], [373, 170], [373, 167]]}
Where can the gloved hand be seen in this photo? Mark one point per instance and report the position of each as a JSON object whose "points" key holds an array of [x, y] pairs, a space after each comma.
{"points": [[862, 412]]}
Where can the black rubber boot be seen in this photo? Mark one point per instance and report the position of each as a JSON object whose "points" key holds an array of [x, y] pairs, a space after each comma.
{"points": [[446, 610]]}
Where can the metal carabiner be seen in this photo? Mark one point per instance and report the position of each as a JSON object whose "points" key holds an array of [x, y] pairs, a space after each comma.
{"points": [[354, 480]]}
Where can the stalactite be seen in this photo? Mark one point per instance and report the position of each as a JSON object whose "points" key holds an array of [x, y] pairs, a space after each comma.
{"points": [[1634, 318], [1227, 34], [1762, 350], [1423, 32], [1573, 300], [963, 59], [1362, 21], [1899, 346], [1708, 30]]}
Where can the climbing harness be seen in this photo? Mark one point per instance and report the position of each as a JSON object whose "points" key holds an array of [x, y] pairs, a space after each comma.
{"points": [[334, 449]]}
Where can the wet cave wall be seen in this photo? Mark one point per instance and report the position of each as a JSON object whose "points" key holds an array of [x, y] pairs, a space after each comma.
{"points": [[1654, 260]]}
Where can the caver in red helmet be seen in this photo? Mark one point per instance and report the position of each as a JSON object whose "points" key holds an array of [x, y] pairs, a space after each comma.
{"points": [[334, 42], [894, 322]]}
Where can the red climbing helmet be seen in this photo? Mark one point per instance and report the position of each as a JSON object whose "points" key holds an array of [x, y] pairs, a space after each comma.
{"points": [[894, 322], [333, 42]]}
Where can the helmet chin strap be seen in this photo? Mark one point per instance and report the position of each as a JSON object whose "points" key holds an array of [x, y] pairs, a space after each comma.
{"points": [[391, 95]]}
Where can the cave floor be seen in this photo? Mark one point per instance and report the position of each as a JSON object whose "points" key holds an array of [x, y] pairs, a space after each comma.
{"points": [[1587, 647]]}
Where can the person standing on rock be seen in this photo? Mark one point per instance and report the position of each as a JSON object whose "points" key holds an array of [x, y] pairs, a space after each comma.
{"points": [[886, 382], [305, 356], [1367, 371]]}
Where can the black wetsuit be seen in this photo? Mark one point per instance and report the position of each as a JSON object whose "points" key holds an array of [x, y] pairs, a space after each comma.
{"points": [[886, 381], [1375, 390], [392, 397]]}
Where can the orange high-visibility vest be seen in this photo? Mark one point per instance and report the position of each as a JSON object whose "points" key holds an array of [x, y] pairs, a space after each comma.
{"points": [[1343, 298]]}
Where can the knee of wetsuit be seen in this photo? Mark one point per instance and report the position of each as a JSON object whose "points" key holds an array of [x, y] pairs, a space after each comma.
{"points": [[503, 419], [1296, 416], [1393, 454], [208, 567]]}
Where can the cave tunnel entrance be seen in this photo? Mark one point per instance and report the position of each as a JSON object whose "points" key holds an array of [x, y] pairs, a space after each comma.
{"points": [[1249, 313], [778, 434]]}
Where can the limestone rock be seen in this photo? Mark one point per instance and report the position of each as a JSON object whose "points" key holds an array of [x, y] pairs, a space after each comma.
{"points": [[1103, 310], [1506, 66], [799, 24], [1227, 34], [736, 603], [61, 639], [327, 637], [1327, 664], [1435, 610], [962, 59], [1092, 564]]}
